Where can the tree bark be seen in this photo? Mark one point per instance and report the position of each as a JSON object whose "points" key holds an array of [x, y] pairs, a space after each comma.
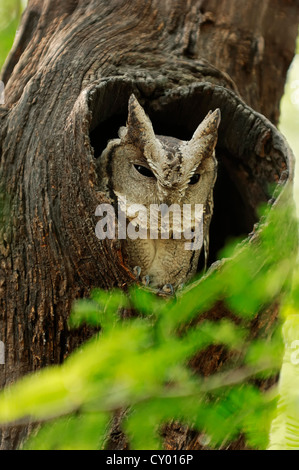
{"points": [[68, 78]]}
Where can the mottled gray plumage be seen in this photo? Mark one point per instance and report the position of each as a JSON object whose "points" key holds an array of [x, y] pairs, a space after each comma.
{"points": [[148, 169]]}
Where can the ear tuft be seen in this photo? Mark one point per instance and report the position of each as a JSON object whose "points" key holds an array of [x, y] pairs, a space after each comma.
{"points": [[209, 125], [204, 140], [140, 129]]}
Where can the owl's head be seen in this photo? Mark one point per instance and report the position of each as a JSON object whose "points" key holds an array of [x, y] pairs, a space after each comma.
{"points": [[151, 169]]}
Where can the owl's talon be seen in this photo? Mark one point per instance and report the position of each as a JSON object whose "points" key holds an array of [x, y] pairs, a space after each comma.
{"points": [[167, 289], [137, 272], [146, 280]]}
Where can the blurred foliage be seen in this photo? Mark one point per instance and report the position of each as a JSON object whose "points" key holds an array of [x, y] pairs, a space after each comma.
{"points": [[285, 427], [10, 13], [289, 117], [140, 364]]}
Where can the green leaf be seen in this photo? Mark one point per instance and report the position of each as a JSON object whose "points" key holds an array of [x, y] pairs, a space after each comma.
{"points": [[75, 432]]}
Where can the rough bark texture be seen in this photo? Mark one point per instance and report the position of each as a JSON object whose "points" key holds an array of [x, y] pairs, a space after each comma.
{"points": [[68, 79]]}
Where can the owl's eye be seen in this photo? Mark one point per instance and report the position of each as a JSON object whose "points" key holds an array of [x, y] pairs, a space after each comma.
{"points": [[194, 179], [144, 171]]}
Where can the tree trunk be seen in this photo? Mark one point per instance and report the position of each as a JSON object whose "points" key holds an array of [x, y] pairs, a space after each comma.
{"points": [[68, 78]]}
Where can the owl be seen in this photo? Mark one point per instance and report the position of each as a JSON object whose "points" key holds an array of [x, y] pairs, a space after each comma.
{"points": [[144, 170]]}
